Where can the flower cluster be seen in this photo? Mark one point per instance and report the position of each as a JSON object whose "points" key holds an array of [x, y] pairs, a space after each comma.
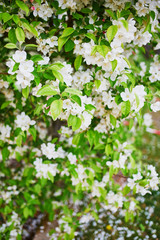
{"points": [[78, 81], [45, 170]]}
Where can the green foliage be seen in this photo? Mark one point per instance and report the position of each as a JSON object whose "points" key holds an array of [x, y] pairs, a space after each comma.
{"points": [[56, 108], [125, 108], [47, 90], [111, 32], [78, 62], [74, 122], [75, 84], [20, 34]]}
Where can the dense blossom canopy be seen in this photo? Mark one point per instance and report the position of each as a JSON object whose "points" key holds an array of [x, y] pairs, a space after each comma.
{"points": [[76, 80]]}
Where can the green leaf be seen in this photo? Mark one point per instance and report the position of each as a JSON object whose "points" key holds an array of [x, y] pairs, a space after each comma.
{"points": [[77, 62], [56, 108], [95, 167], [73, 91], [61, 42], [56, 66], [76, 139], [10, 46], [50, 176], [36, 58], [139, 118], [78, 187], [16, 19], [19, 140], [90, 137], [15, 67], [125, 108], [25, 92], [131, 122], [70, 120], [103, 192], [52, 32], [23, 6], [91, 36], [90, 107], [64, 37], [108, 149], [20, 34], [111, 32], [76, 99], [6, 17], [5, 153], [38, 1], [33, 132], [68, 31], [127, 5], [5, 104], [69, 46], [127, 61], [30, 28], [77, 16], [125, 24], [95, 215], [134, 190], [125, 13], [137, 100], [26, 212], [126, 190], [19, 237], [31, 45], [38, 109], [74, 121], [57, 75], [130, 146], [97, 83], [152, 14], [111, 14], [37, 188], [127, 216], [74, 173], [131, 78], [47, 90], [111, 171], [143, 182], [86, 10], [113, 120], [103, 50], [142, 227], [12, 36], [94, 50], [114, 64], [67, 219]]}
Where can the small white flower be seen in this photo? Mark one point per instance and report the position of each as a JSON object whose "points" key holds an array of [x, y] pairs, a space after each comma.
{"points": [[19, 56], [23, 121], [155, 106], [72, 158], [52, 41], [10, 63], [127, 95], [35, 90], [137, 176], [43, 169], [26, 67], [23, 80], [147, 119], [44, 62], [4, 84]]}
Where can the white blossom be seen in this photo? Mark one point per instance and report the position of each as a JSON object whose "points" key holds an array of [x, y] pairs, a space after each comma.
{"points": [[23, 121]]}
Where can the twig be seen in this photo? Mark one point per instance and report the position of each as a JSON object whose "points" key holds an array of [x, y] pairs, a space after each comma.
{"points": [[4, 73]]}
